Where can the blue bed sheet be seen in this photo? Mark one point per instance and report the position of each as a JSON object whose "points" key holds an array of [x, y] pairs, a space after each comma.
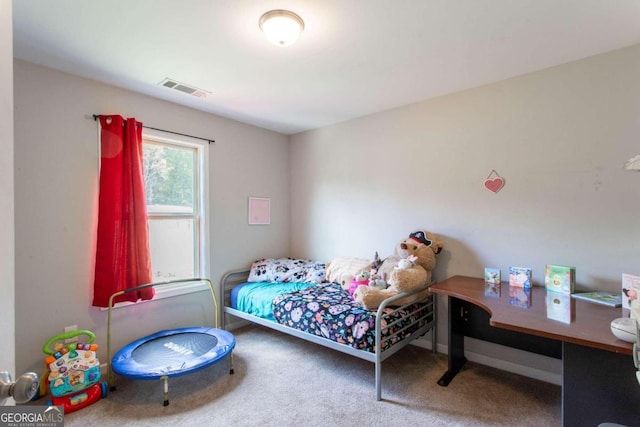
{"points": [[256, 298]]}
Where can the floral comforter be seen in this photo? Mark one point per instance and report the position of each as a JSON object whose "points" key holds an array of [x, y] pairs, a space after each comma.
{"points": [[328, 311]]}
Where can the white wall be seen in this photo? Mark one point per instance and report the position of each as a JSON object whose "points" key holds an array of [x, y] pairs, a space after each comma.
{"points": [[56, 174], [7, 251], [559, 137]]}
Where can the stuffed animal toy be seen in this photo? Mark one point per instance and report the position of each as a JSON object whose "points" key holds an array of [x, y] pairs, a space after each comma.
{"points": [[376, 280], [361, 279], [422, 245], [406, 263], [376, 263]]}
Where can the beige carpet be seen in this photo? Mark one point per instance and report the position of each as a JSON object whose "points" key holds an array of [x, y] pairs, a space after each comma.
{"points": [[284, 381]]}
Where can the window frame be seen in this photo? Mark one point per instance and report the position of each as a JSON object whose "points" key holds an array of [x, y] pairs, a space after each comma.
{"points": [[201, 200]]}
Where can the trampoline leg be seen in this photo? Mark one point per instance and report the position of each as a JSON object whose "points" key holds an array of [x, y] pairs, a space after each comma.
{"points": [[166, 390], [112, 382], [231, 363], [111, 378]]}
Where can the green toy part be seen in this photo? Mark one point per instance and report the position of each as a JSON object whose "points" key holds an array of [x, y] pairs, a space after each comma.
{"points": [[65, 336]]}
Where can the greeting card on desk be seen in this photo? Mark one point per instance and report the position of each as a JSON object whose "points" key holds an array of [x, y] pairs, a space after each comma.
{"points": [[492, 282], [560, 307], [559, 278], [520, 296], [520, 276], [600, 297], [630, 291]]}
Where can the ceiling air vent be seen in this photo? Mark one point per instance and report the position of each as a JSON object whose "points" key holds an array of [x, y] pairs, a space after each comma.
{"points": [[184, 88]]}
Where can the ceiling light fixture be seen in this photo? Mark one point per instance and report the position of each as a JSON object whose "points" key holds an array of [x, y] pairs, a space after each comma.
{"points": [[281, 27]]}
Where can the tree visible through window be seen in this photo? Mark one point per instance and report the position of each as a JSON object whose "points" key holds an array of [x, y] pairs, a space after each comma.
{"points": [[172, 182]]}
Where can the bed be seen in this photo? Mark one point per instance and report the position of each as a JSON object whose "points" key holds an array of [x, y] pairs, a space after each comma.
{"points": [[324, 313]]}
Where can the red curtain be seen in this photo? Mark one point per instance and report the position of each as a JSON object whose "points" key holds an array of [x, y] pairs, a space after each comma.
{"points": [[123, 259]]}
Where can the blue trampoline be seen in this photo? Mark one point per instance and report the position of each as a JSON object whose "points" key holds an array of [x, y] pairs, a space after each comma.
{"points": [[170, 353]]}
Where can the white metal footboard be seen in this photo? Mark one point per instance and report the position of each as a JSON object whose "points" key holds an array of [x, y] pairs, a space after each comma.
{"points": [[425, 321]]}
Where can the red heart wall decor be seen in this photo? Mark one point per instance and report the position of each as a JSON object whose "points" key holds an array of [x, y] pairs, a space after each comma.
{"points": [[494, 185], [494, 182]]}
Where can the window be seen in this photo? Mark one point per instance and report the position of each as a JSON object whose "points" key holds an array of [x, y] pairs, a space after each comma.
{"points": [[175, 181]]}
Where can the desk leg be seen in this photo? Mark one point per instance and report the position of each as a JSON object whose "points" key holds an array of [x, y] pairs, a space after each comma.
{"points": [[456, 342]]}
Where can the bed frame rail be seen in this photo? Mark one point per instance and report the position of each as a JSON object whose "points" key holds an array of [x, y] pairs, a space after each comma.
{"points": [[425, 319]]}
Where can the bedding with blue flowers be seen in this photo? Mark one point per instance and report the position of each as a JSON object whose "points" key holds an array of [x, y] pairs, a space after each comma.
{"points": [[328, 311]]}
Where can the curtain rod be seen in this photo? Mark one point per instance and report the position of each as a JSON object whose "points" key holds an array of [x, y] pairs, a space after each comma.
{"points": [[96, 116]]}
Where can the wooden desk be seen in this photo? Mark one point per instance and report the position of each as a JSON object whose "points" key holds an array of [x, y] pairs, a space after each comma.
{"points": [[599, 383]]}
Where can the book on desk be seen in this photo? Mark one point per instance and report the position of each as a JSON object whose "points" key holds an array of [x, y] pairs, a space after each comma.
{"points": [[600, 297], [492, 282], [520, 277], [559, 278], [631, 290]]}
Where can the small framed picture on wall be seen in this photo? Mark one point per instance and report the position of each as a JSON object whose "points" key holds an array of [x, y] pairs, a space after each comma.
{"points": [[259, 211]]}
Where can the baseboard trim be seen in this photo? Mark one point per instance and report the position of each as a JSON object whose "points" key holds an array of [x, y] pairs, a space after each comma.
{"points": [[425, 342], [527, 371], [236, 324]]}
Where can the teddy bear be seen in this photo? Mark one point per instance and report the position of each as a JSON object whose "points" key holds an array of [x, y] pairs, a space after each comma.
{"points": [[422, 247]]}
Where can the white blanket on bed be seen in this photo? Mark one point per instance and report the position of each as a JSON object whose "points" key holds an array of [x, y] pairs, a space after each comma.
{"points": [[343, 269]]}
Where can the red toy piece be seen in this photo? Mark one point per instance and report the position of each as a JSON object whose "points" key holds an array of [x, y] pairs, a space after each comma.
{"points": [[80, 400]]}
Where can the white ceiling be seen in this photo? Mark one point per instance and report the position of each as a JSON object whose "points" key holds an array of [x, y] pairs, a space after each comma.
{"points": [[355, 57]]}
